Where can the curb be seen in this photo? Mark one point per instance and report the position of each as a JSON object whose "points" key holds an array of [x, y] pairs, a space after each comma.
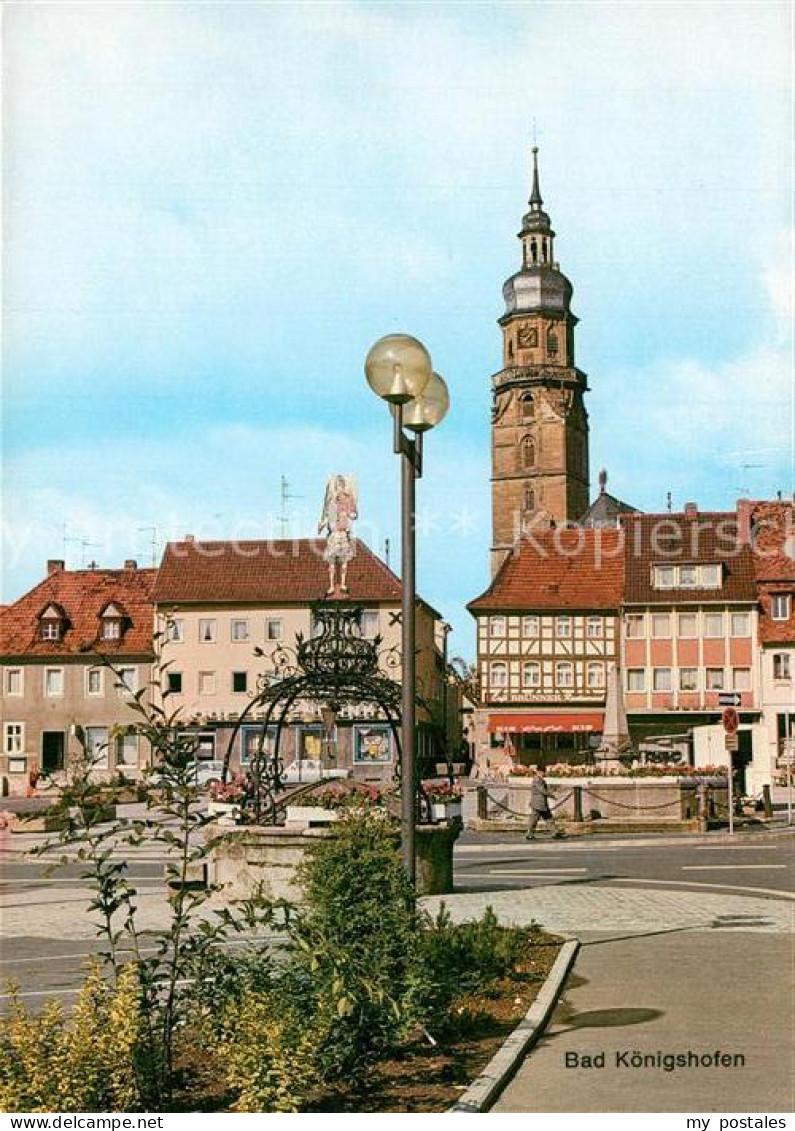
{"points": [[483, 1092], [631, 840]]}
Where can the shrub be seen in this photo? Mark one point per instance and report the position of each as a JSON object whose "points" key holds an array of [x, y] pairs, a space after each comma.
{"points": [[92, 1062], [268, 1050], [354, 954]]}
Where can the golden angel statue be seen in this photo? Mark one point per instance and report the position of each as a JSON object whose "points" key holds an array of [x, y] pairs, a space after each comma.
{"points": [[339, 512]]}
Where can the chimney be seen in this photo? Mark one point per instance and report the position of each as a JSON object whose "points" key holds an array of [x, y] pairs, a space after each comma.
{"points": [[691, 509], [53, 565], [744, 516], [130, 563], [190, 538]]}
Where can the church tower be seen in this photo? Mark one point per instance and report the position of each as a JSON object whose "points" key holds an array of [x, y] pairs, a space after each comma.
{"points": [[539, 431]]}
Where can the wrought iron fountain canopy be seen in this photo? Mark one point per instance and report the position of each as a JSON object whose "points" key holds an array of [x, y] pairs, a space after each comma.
{"points": [[336, 666]]}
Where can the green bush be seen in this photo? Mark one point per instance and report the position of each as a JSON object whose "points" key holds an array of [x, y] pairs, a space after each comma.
{"points": [[91, 1062], [354, 956]]}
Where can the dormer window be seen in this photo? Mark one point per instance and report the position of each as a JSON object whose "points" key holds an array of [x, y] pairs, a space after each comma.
{"points": [[112, 617], [51, 623], [664, 577]]}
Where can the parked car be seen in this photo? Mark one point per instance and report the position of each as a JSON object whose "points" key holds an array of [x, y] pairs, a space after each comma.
{"points": [[310, 770], [206, 773]]}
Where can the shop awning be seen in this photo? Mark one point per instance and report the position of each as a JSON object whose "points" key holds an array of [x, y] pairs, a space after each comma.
{"points": [[550, 723]]}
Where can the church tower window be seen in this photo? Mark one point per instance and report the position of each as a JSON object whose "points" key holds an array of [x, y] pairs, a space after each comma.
{"points": [[552, 343], [528, 409], [528, 452]]}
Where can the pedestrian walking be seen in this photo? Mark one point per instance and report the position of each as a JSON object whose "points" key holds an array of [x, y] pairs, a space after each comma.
{"points": [[539, 805]]}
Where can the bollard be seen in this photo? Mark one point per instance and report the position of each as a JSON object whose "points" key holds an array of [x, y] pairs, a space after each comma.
{"points": [[578, 803], [767, 804], [483, 803], [702, 807]]}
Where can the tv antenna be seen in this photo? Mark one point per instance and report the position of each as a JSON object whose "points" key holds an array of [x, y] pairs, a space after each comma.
{"points": [[154, 542], [84, 545], [286, 498]]}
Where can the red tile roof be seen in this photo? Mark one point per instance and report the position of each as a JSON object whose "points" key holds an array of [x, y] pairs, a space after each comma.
{"points": [[712, 537], [82, 595], [559, 569], [278, 572]]}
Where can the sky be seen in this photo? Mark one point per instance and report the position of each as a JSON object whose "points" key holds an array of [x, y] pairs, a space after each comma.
{"points": [[212, 210]]}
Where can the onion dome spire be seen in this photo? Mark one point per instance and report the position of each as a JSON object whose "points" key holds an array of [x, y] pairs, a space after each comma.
{"points": [[535, 200]]}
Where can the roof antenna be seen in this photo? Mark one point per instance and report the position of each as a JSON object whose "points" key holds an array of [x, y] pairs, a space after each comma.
{"points": [[386, 551], [286, 497], [153, 531], [669, 502]]}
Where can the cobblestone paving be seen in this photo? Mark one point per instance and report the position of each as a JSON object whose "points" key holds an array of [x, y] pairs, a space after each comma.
{"points": [[635, 911]]}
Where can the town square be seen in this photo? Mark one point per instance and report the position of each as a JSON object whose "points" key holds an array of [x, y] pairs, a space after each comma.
{"points": [[397, 647]]}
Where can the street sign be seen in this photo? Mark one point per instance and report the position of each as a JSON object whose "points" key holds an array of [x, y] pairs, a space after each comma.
{"points": [[731, 720], [732, 740], [729, 699]]}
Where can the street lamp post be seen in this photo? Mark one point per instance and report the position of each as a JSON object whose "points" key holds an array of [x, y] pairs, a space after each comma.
{"points": [[400, 371]]}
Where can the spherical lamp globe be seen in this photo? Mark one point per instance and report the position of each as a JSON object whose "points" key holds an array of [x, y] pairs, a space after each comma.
{"points": [[398, 368], [429, 408]]}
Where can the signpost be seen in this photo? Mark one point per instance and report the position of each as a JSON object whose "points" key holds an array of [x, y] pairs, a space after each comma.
{"points": [[729, 699], [731, 724]]}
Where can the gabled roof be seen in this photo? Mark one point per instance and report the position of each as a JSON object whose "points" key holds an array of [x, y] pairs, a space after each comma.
{"points": [[559, 569], [81, 595], [710, 537], [276, 572], [605, 510]]}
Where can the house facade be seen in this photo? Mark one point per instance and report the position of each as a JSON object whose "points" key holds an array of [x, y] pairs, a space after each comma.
{"points": [[73, 651], [547, 633], [228, 612]]}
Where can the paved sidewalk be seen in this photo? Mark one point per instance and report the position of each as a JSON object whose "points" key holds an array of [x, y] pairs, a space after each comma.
{"points": [[668, 994], [659, 972]]}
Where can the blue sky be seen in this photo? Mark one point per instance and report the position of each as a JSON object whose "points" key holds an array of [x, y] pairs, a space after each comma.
{"points": [[213, 210]]}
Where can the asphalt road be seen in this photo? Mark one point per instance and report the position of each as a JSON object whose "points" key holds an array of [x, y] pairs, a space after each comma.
{"points": [[44, 964]]}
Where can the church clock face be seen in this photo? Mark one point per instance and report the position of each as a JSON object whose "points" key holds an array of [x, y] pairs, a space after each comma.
{"points": [[527, 337]]}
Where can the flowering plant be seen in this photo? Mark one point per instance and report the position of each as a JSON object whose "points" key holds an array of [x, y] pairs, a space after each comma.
{"points": [[352, 795], [231, 791], [442, 791]]}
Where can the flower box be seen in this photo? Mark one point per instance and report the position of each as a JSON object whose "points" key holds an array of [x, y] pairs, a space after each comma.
{"points": [[227, 809], [307, 816]]}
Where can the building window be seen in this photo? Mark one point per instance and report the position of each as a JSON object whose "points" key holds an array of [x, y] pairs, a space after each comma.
{"points": [[636, 679], [661, 624], [528, 452], [127, 681], [239, 681], [111, 628], [741, 679], [688, 679], [369, 624], [595, 675], [529, 498], [664, 577], [14, 681], [53, 681], [174, 682], [688, 576], [273, 628], [175, 631], [781, 666], [499, 674], [126, 750], [595, 626], [531, 675], [564, 674], [715, 680], [13, 738], [50, 629], [662, 679], [563, 626], [528, 407], [552, 343], [496, 626], [635, 625], [250, 741], [710, 576], [779, 606], [239, 630], [206, 631], [95, 681], [97, 746], [741, 624], [206, 683], [531, 626], [688, 625], [713, 624]]}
